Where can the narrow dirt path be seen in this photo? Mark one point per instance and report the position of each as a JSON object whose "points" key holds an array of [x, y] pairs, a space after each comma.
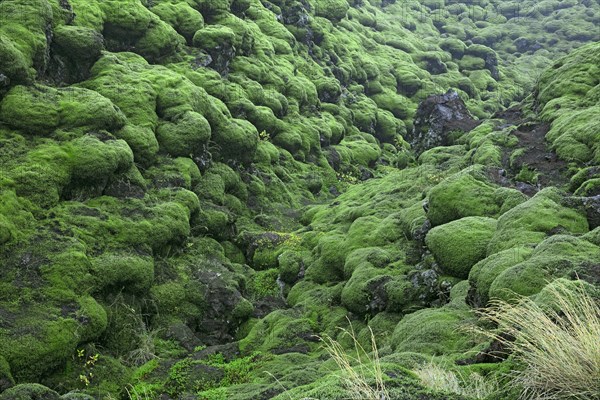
{"points": [[551, 170]]}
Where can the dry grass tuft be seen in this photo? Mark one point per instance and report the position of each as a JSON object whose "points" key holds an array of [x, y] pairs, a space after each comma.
{"points": [[439, 379], [558, 344], [359, 369]]}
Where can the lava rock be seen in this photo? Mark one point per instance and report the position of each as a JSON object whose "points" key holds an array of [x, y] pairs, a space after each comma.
{"points": [[436, 117]]}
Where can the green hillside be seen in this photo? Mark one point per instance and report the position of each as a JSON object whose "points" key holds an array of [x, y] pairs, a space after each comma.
{"points": [[211, 199]]}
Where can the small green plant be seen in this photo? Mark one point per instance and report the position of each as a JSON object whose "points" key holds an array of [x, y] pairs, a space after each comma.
{"points": [[88, 363], [264, 136], [435, 178], [347, 178], [238, 370], [263, 284], [556, 343], [527, 175], [134, 394], [178, 376], [358, 368]]}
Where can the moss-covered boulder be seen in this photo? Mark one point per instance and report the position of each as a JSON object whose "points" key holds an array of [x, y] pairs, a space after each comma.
{"points": [[29, 391], [462, 195], [556, 257], [181, 16], [483, 274], [528, 223], [459, 244], [332, 10], [185, 136], [39, 110], [282, 332], [434, 332]]}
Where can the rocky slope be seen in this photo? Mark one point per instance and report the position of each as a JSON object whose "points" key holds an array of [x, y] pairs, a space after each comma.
{"points": [[192, 192]]}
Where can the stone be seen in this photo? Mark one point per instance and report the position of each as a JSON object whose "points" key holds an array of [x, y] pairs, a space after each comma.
{"points": [[437, 116]]}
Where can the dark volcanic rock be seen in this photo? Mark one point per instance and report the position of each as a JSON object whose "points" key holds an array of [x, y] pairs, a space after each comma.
{"points": [[183, 335], [436, 117], [592, 210], [589, 205]]}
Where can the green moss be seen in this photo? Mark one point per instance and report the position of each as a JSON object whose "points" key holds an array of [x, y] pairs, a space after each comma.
{"points": [[15, 220], [579, 180], [332, 10], [33, 110], [448, 157], [509, 198], [462, 195], [177, 299], [434, 332], [330, 386], [78, 42], [44, 176], [280, 330], [41, 350], [13, 63], [214, 37], [185, 136], [211, 187], [94, 160], [29, 391], [135, 273], [357, 295], [546, 298], [264, 284], [23, 34], [231, 179], [397, 104], [237, 140], [291, 263], [558, 256], [528, 223], [488, 154], [558, 81], [6, 379], [107, 165], [213, 9], [125, 326], [472, 63], [573, 136], [483, 274], [39, 110], [357, 150], [459, 293], [458, 245], [91, 374], [93, 319], [180, 16], [454, 46], [593, 236]]}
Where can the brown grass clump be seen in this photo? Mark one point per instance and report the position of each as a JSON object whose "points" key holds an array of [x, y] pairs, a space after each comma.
{"points": [[359, 368], [557, 343]]}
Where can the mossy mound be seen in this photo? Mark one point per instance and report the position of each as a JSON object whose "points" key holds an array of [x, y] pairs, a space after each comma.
{"points": [[234, 174], [30, 391], [458, 245], [462, 195], [568, 95], [434, 332], [530, 222], [556, 257], [483, 274]]}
